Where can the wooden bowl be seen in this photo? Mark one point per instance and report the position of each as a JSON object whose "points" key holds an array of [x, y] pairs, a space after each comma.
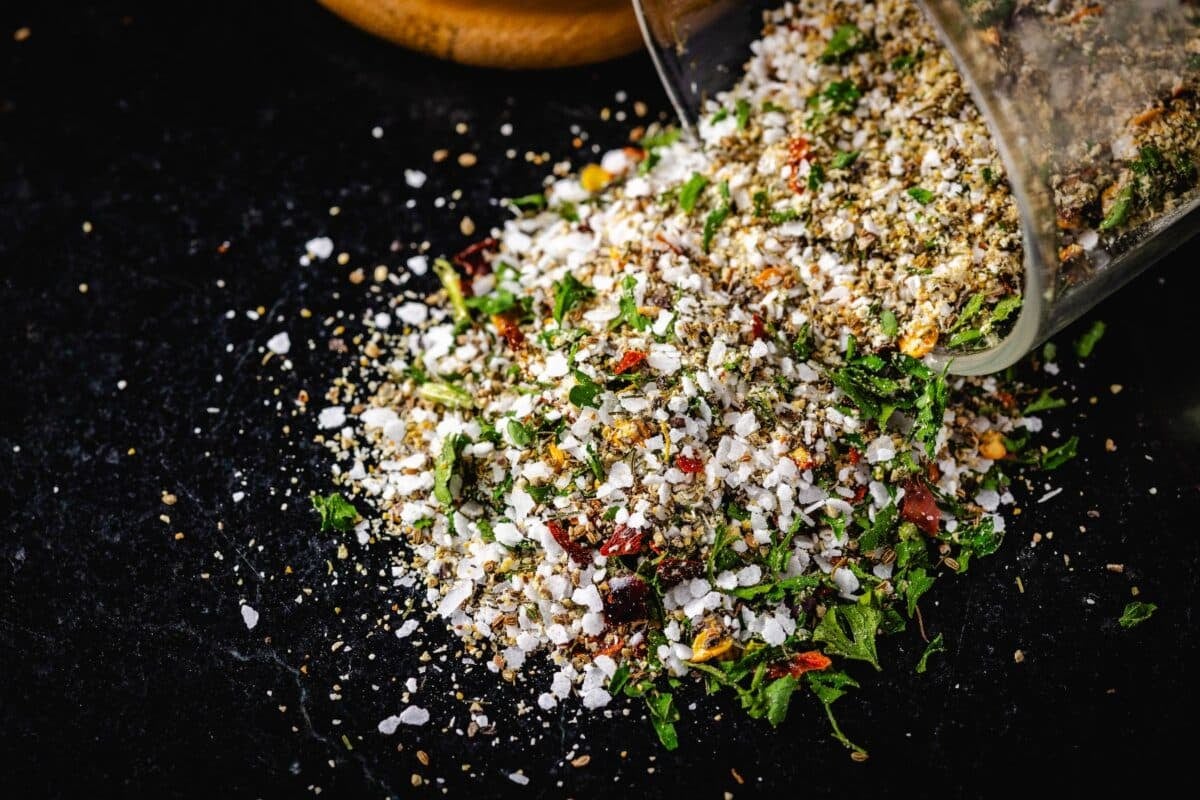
{"points": [[513, 34]]}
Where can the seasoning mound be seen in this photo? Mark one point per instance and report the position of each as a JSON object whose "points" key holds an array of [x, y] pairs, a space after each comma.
{"points": [[678, 419]]}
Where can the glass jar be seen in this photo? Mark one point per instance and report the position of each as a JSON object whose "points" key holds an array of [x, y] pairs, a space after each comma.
{"points": [[1094, 109]]}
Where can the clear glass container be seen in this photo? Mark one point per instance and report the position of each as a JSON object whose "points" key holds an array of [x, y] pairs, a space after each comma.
{"points": [[1093, 108]]}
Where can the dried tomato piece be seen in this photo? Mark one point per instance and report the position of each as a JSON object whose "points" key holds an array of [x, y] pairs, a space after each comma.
{"points": [[759, 329], [920, 508], [625, 541], [473, 258], [631, 360], [579, 552], [800, 663], [507, 327], [859, 494], [689, 466], [676, 570], [854, 456], [626, 600]]}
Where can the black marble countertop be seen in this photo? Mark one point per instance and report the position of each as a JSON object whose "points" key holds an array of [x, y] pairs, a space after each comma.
{"points": [[203, 146]]}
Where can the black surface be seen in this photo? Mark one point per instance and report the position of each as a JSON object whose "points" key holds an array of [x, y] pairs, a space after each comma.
{"points": [[123, 669]]}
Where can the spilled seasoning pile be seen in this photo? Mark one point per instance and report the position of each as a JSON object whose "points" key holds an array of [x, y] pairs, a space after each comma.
{"points": [[680, 420]]}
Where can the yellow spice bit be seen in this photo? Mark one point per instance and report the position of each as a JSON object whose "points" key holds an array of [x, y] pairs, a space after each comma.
{"points": [[594, 177], [991, 445], [710, 643], [801, 456], [557, 456], [918, 343]]}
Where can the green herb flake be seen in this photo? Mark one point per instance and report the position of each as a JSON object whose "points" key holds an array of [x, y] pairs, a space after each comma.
{"points": [[938, 645], [1091, 337], [1053, 459], [1136, 613], [521, 436], [778, 695], [830, 686], [568, 294], [663, 716], [453, 285], [922, 196], [888, 323], [845, 42], [445, 467], [337, 513], [969, 310], [661, 139], [816, 176], [1119, 211], [743, 113], [529, 202], [629, 308], [849, 630], [917, 582], [715, 218], [843, 159], [445, 394], [689, 193], [1045, 401], [585, 391]]}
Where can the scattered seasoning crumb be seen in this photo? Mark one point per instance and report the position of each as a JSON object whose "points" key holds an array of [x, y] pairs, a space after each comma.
{"points": [[1019, 656], [22, 34], [1118, 568], [467, 159], [83, 288], [87, 226], [581, 761]]}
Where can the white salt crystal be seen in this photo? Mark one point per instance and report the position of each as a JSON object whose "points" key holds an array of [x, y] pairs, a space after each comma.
{"points": [[250, 617], [280, 344]]}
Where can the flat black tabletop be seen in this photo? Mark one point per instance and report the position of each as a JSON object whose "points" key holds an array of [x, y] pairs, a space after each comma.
{"points": [[202, 147]]}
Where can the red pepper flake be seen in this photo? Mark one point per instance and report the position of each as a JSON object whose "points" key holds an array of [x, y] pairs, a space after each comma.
{"points": [[612, 649], [919, 507], [798, 151], [626, 600], [859, 494], [854, 456], [689, 466], [473, 259], [507, 327], [630, 361], [759, 329], [800, 663], [634, 154], [580, 553], [676, 570], [625, 541]]}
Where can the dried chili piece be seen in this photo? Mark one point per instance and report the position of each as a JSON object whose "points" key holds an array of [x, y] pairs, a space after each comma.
{"points": [[854, 456], [579, 552], [800, 663], [920, 508], [507, 327], [473, 258], [688, 465], [626, 600], [630, 361], [625, 541]]}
